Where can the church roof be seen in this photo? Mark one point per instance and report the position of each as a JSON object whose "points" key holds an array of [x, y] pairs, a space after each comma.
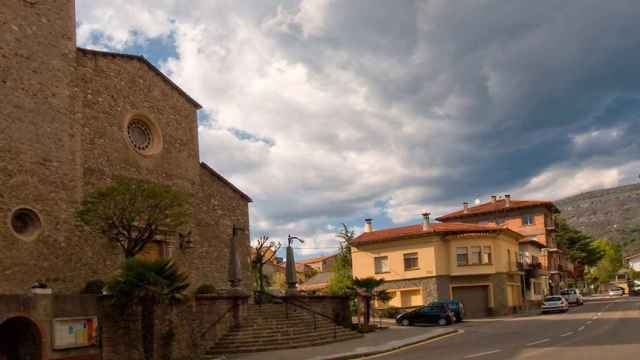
{"points": [[150, 66], [215, 174]]}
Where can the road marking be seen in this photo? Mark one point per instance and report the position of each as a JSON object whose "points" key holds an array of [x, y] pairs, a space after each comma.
{"points": [[538, 342], [482, 354], [589, 322], [567, 334], [599, 313], [421, 343], [581, 328]]}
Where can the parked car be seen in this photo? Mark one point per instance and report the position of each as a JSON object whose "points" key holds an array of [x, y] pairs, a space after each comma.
{"points": [[439, 314], [573, 296], [616, 291], [456, 307], [555, 303]]}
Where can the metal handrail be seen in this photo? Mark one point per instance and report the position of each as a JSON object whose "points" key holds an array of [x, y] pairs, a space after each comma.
{"points": [[215, 322], [287, 300]]}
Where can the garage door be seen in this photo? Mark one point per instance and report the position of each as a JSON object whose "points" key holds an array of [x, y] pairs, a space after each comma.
{"points": [[474, 298]]}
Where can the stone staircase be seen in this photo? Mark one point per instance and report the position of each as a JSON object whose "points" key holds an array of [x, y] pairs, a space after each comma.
{"points": [[268, 327]]}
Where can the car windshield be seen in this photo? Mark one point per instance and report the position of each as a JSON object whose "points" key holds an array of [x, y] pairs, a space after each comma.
{"points": [[552, 298]]}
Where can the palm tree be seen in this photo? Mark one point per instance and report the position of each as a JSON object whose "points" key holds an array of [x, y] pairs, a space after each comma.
{"points": [[146, 283], [365, 288]]}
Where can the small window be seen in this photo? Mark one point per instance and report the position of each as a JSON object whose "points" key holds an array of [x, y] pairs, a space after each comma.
{"points": [[527, 220], [486, 255], [410, 261], [475, 255], [381, 264], [462, 256], [26, 224]]}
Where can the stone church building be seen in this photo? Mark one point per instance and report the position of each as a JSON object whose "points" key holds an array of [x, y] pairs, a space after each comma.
{"points": [[71, 120]]}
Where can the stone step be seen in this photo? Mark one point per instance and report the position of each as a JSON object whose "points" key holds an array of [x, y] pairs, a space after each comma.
{"points": [[281, 345], [283, 329], [265, 337]]}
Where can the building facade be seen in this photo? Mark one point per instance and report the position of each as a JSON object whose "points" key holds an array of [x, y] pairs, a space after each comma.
{"points": [[475, 264], [73, 119], [547, 269]]}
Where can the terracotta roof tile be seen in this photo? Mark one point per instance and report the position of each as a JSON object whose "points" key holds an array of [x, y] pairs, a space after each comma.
{"points": [[416, 230], [315, 259], [498, 206]]}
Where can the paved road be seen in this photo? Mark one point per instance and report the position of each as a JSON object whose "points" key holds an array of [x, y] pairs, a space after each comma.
{"points": [[607, 329]]}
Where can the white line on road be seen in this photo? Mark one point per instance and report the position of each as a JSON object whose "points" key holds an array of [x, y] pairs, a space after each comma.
{"points": [[567, 334], [581, 328], [482, 354], [599, 313], [538, 342]]}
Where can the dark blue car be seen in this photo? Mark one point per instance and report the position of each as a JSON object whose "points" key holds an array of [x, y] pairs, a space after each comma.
{"points": [[456, 307], [431, 314]]}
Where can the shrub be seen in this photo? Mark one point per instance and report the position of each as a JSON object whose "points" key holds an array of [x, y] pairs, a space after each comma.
{"points": [[94, 287]]}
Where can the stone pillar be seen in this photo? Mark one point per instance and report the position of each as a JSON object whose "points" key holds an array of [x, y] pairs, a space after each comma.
{"points": [[292, 280]]}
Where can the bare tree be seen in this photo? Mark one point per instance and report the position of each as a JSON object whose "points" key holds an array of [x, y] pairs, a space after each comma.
{"points": [[265, 250]]}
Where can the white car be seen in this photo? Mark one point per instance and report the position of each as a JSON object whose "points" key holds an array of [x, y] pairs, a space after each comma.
{"points": [[616, 292], [555, 303], [573, 296]]}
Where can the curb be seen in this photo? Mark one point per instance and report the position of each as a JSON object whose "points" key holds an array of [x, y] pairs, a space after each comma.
{"points": [[348, 356]]}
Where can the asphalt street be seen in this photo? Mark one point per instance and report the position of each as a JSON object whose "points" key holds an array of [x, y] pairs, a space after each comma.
{"points": [[603, 329]]}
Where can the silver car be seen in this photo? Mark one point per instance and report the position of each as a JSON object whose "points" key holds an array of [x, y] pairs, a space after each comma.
{"points": [[555, 303], [573, 296], [616, 291]]}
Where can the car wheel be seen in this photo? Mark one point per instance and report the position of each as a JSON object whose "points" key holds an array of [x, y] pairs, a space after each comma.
{"points": [[443, 322], [405, 322]]}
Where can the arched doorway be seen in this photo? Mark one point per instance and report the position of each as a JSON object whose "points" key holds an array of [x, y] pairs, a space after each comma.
{"points": [[20, 339]]}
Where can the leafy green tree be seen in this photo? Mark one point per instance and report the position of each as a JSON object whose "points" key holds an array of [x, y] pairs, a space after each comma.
{"points": [[580, 246], [145, 284], [133, 212], [609, 265], [342, 281]]}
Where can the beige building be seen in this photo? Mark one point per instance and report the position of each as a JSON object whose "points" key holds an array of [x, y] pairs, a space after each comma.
{"points": [[476, 264], [70, 121], [546, 269]]}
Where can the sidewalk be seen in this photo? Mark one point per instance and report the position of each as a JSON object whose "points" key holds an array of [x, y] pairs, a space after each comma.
{"points": [[381, 341]]}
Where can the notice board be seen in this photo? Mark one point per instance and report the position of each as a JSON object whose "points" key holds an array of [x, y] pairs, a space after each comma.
{"points": [[75, 332]]}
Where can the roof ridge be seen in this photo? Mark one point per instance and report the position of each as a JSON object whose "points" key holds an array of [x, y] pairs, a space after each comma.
{"points": [[150, 65]]}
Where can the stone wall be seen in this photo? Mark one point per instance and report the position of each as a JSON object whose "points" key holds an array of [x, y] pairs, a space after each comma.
{"points": [[42, 309], [432, 287], [182, 331], [335, 307]]}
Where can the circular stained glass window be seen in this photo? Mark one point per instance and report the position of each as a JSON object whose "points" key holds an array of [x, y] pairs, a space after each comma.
{"points": [[140, 135]]}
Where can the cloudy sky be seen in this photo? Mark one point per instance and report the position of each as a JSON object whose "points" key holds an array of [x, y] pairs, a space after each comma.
{"points": [[327, 111]]}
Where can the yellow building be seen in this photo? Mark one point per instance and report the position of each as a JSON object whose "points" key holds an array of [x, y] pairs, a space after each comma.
{"points": [[476, 264]]}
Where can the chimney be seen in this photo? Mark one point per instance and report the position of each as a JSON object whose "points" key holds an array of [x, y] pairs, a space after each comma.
{"points": [[466, 207], [493, 199], [368, 225], [507, 200], [426, 224]]}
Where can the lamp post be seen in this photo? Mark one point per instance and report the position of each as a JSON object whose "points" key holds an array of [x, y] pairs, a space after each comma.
{"points": [[291, 266]]}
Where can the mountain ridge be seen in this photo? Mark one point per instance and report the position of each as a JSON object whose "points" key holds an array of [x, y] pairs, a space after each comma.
{"points": [[612, 214]]}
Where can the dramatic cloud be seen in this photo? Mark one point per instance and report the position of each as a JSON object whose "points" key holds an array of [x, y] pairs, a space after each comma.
{"points": [[331, 111]]}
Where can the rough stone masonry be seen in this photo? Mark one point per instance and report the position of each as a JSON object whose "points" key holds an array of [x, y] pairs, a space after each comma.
{"points": [[70, 120]]}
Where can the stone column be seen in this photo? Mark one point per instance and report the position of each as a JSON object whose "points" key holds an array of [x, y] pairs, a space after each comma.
{"points": [[292, 280]]}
